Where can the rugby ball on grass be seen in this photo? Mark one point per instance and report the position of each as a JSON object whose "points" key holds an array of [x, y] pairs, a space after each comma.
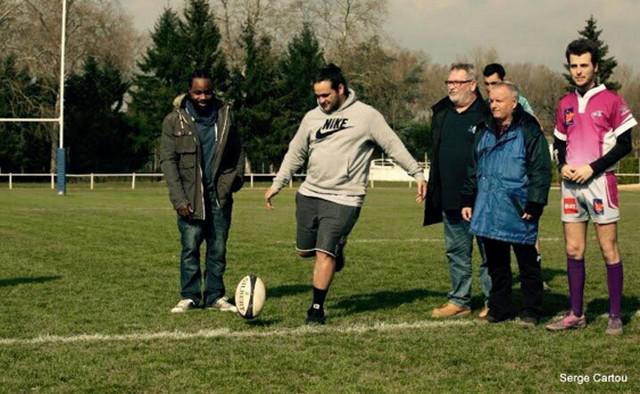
{"points": [[250, 296]]}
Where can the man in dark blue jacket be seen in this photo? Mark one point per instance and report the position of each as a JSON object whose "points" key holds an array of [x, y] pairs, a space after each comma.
{"points": [[503, 197]]}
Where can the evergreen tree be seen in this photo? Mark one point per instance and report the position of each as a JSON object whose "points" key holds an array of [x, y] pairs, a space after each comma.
{"points": [[178, 47], [23, 146], [301, 63], [99, 137], [254, 94], [201, 41], [161, 77], [606, 64]]}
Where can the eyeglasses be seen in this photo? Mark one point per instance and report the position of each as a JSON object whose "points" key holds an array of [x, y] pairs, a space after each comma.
{"points": [[208, 92], [457, 84]]}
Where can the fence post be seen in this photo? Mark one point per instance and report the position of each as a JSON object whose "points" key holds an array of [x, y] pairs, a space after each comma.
{"points": [[10, 181], [290, 182], [251, 177], [91, 182], [372, 184], [53, 184], [133, 181]]}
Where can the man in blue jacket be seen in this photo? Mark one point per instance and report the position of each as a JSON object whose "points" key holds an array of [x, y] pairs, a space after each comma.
{"points": [[503, 197]]}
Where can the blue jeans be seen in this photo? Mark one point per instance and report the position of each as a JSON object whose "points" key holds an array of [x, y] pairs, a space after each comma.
{"points": [[215, 231], [458, 242]]}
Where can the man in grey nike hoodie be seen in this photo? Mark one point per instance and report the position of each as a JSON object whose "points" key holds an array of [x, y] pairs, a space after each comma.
{"points": [[337, 140]]}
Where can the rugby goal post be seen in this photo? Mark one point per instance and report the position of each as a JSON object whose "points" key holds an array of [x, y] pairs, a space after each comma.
{"points": [[61, 184]]}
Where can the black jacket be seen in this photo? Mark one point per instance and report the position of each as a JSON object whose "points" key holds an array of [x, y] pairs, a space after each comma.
{"points": [[433, 201]]}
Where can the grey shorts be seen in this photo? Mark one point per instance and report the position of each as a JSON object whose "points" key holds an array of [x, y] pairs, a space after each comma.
{"points": [[322, 224]]}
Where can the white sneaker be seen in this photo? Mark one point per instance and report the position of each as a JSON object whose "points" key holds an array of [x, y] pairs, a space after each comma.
{"points": [[183, 306], [223, 305]]}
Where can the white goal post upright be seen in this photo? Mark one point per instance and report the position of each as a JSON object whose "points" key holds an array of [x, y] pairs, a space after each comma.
{"points": [[61, 184], [61, 181]]}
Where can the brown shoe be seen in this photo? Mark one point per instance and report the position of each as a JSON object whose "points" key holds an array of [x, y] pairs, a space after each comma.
{"points": [[484, 312], [450, 310]]}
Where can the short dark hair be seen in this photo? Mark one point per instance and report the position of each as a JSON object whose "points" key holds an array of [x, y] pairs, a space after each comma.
{"points": [[199, 73], [332, 73], [582, 46], [494, 68]]}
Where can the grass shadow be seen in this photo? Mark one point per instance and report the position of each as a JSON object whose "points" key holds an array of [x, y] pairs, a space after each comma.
{"points": [[27, 280], [552, 303], [287, 290], [548, 274], [382, 300], [600, 306], [258, 322]]}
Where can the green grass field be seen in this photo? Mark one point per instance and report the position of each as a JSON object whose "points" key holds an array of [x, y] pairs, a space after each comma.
{"points": [[87, 281]]}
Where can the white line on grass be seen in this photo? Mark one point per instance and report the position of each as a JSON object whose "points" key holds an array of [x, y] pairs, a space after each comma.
{"points": [[82, 209], [409, 240], [228, 333]]}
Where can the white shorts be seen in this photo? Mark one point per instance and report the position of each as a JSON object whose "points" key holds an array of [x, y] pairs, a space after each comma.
{"points": [[596, 199]]}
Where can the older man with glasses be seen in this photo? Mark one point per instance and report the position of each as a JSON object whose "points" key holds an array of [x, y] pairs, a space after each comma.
{"points": [[453, 128]]}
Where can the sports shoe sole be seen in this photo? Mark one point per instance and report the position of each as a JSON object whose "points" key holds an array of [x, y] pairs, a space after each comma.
{"points": [[464, 313], [613, 332], [552, 327]]}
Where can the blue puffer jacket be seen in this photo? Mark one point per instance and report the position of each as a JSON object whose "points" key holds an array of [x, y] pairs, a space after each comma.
{"points": [[509, 174]]}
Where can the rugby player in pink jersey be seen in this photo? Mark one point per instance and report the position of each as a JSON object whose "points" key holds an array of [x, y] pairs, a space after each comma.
{"points": [[592, 133]]}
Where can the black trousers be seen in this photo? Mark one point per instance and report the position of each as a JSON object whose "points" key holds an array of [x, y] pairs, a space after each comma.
{"points": [[499, 264]]}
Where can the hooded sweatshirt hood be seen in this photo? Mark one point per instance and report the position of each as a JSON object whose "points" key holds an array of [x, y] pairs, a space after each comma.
{"points": [[349, 100]]}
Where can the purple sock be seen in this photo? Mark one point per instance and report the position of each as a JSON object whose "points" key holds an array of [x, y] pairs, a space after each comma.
{"points": [[614, 281], [576, 276]]}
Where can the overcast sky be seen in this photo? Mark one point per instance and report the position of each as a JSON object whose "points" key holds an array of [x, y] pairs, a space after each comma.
{"points": [[521, 31]]}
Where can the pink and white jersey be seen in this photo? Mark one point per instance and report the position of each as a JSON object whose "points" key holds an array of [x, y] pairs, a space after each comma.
{"points": [[590, 123]]}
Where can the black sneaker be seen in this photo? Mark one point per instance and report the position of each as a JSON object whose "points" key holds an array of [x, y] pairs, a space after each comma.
{"points": [[315, 315]]}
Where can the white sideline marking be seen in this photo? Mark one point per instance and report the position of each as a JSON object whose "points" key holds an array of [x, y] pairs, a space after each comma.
{"points": [[228, 333], [107, 209], [410, 240]]}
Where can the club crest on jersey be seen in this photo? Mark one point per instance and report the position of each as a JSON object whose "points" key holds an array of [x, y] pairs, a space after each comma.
{"points": [[569, 205], [598, 206], [597, 114], [569, 114]]}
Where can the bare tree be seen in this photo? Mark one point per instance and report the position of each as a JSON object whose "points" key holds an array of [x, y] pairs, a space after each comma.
{"points": [[97, 28], [7, 8], [630, 90], [341, 25], [481, 56], [543, 88], [279, 19]]}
